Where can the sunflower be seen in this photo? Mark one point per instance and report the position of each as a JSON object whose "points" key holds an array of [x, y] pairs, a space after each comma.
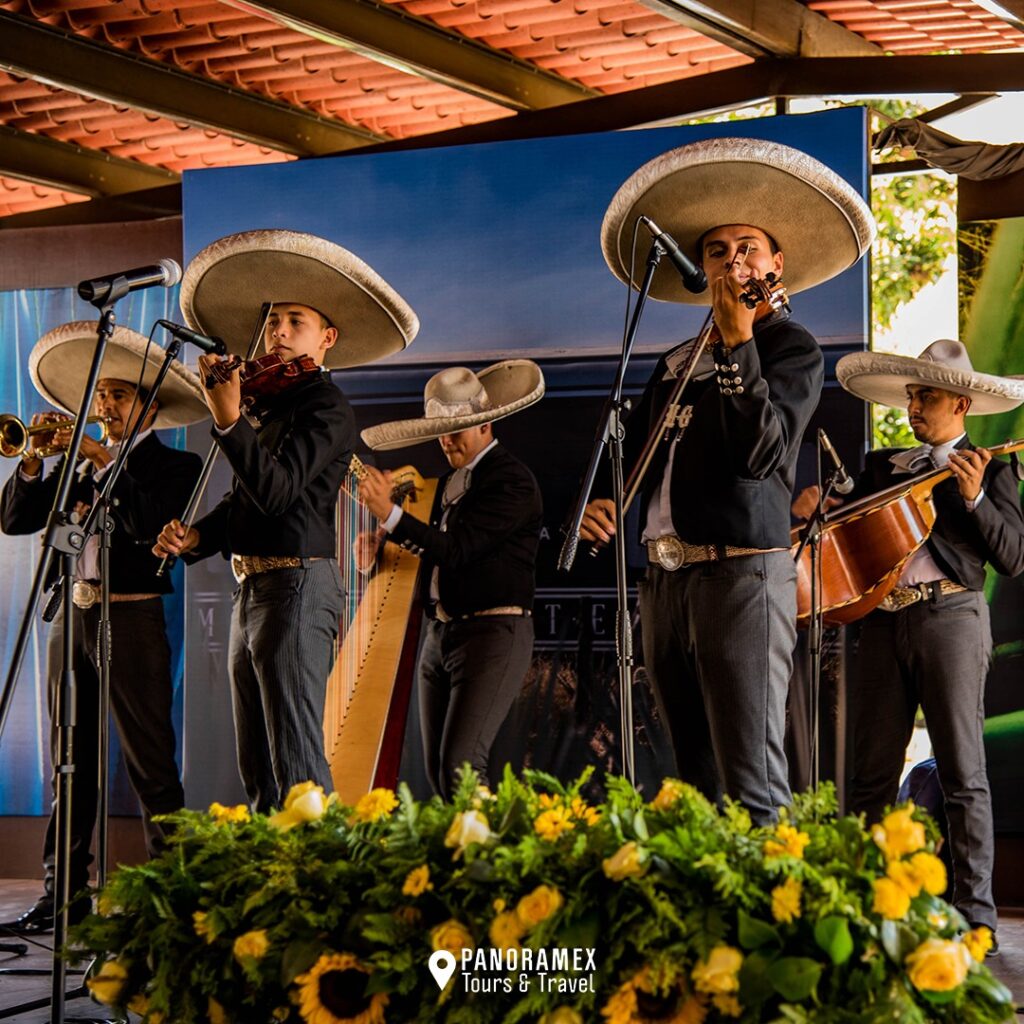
{"points": [[639, 1001], [333, 991]]}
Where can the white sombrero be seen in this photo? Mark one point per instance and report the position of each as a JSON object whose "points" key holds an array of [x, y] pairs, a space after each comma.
{"points": [[457, 398], [60, 360], [226, 283], [883, 378], [819, 222]]}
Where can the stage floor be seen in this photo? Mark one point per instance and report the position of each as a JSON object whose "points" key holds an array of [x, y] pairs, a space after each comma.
{"points": [[18, 894]]}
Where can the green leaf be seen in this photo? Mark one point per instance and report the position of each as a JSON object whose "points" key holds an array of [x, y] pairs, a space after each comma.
{"points": [[640, 826], [833, 935], [754, 933], [755, 985], [992, 988], [898, 940], [794, 977], [298, 957]]}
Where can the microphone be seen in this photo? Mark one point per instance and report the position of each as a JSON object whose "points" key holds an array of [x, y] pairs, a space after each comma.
{"points": [[843, 483], [211, 346], [101, 289], [694, 279]]}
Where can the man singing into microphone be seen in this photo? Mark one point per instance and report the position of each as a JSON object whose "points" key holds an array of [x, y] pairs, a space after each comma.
{"points": [[718, 604]]}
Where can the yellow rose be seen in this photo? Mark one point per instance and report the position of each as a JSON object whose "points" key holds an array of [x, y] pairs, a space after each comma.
{"points": [[549, 825], [506, 930], [376, 804], [108, 984], [622, 1005], [226, 815], [891, 900], [898, 833], [252, 945], [215, 1012], [930, 872], [786, 901], [901, 872], [719, 974], [467, 827], [201, 926], [671, 792], [538, 906], [627, 862], [417, 881], [561, 1015], [727, 1004], [978, 942], [786, 841], [305, 802], [451, 935], [938, 965]]}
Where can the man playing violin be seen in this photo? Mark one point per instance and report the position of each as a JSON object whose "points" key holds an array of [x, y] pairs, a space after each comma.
{"points": [[277, 523], [141, 689], [929, 643], [718, 603]]}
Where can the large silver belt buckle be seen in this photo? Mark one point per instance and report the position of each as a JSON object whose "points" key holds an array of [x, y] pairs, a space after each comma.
{"points": [[84, 595], [670, 551]]}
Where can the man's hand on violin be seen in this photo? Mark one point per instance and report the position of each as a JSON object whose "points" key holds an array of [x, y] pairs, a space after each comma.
{"points": [[734, 321], [807, 501], [176, 539], [969, 470], [375, 492], [598, 521], [224, 398]]}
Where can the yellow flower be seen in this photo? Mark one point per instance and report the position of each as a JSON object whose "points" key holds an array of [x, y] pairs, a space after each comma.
{"points": [[282, 1013], [467, 827], [108, 984], [215, 1012], [978, 942], [201, 926], [252, 945], [226, 815], [376, 804], [582, 811], [451, 935], [787, 840], [499, 905], [139, 1004], [538, 906], [727, 1004], [718, 975], [901, 872], [561, 1015], [417, 881], [305, 802], [549, 825], [333, 985], [938, 920], [549, 800], [669, 795], [786, 902], [898, 833], [938, 965], [506, 930], [891, 900], [621, 1005], [930, 872], [626, 862]]}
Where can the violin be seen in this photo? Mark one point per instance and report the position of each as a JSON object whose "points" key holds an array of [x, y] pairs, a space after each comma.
{"points": [[264, 377]]}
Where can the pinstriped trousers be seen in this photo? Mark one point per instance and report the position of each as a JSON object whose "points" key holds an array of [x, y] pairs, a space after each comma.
{"points": [[283, 626], [718, 642]]}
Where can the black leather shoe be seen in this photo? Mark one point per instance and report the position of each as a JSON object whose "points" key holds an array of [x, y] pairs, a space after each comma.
{"points": [[35, 920], [993, 950]]}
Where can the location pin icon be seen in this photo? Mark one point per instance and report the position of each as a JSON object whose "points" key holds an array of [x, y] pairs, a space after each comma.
{"points": [[442, 966]]}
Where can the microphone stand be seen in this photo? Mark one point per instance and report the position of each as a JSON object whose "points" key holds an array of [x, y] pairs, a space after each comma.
{"points": [[611, 434]]}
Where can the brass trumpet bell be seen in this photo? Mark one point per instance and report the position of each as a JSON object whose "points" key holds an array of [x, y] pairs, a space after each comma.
{"points": [[15, 435]]}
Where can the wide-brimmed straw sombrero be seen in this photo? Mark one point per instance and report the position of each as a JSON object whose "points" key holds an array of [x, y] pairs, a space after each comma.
{"points": [[818, 220], [883, 378], [225, 284], [457, 398], [60, 360]]}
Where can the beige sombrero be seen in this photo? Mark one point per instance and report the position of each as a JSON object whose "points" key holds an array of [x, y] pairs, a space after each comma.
{"points": [[457, 398], [60, 360], [883, 378], [226, 283], [819, 222]]}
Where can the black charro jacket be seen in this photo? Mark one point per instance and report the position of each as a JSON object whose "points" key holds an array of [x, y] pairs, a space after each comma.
{"points": [[288, 472], [487, 553], [154, 485], [733, 470], [961, 542]]}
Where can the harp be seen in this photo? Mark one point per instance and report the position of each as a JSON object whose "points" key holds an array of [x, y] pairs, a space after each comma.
{"points": [[370, 686]]}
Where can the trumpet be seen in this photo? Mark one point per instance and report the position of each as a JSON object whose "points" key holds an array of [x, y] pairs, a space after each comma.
{"points": [[15, 435]]}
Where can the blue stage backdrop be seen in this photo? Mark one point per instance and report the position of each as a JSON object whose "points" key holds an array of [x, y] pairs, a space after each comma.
{"points": [[24, 746], [497, 248]]}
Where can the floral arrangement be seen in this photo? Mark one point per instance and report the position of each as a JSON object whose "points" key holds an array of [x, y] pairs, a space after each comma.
{"points": [[673, 912]]}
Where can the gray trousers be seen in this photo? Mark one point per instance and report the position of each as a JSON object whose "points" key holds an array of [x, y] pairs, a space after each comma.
{"points": [[718, 642], [468, 676], [936, 654], [283, 626]]}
